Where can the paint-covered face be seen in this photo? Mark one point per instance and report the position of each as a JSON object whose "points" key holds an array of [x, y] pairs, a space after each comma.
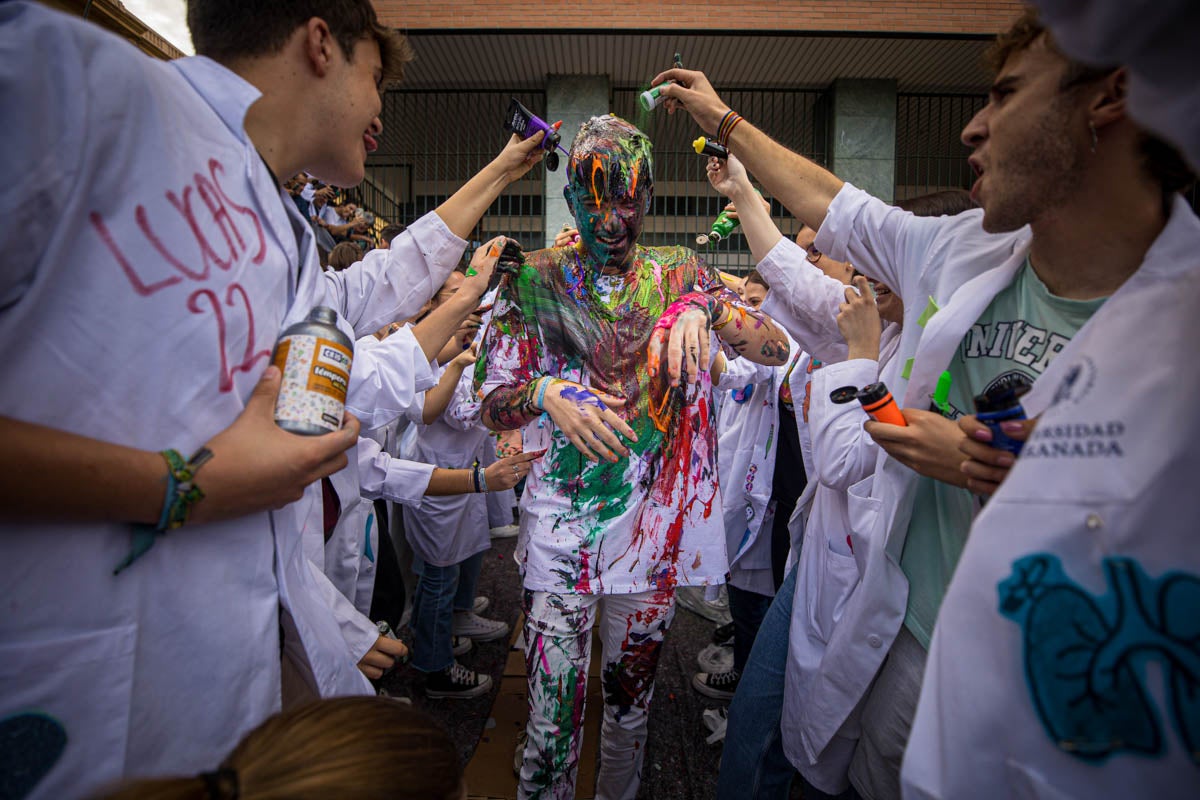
{"points": [[609, 194]]}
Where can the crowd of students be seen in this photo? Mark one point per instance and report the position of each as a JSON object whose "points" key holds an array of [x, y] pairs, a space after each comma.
{"points": [[917, 610]]}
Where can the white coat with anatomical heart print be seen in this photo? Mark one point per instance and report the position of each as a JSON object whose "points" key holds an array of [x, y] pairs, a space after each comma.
{"points": [[1066, 657]]}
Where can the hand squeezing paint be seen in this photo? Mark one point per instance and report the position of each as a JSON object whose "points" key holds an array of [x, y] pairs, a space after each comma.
{"points": [[525, 123], [650, 98]]}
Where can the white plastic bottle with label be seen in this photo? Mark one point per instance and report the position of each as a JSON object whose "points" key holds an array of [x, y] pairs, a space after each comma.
{"points": [[314, 357]]}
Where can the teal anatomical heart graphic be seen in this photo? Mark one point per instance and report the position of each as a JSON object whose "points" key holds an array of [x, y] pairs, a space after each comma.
{"points": [[1085, 655]]}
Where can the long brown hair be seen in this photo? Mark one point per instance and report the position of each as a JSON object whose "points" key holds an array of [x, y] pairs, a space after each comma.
{"points": [[351, 748]]}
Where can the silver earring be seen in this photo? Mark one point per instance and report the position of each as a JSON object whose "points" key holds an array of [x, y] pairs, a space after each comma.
{"points": [[1095, 139]]}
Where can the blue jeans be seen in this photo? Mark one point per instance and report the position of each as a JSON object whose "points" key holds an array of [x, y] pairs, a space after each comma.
{"points": [[440, 590], [748, 610], [753, 763]]}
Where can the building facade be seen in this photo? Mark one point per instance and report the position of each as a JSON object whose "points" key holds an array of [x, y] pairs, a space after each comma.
{"points": [[877, 90]]}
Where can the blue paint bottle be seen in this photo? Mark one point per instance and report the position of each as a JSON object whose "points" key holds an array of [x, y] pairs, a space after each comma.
{"points": [[1001, 404]]}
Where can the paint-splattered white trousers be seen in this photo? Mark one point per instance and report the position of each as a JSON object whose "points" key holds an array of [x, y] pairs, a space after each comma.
{"points": [[558, 648]]}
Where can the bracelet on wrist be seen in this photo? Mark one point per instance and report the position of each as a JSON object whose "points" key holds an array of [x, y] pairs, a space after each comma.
{"points": [[182, 493], [539, 403], [481, 479]]}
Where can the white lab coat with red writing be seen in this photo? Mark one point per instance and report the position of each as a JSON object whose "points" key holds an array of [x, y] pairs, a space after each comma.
{"points": [[157, 265]]}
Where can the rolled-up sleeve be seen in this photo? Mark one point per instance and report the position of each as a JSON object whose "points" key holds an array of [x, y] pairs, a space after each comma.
{"points": [[388, 378], [383, 477], [393, 284]]}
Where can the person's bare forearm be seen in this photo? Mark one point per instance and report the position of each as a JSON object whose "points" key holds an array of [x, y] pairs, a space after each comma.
{"points": [[439, 325], [802, 186], [49, 474], [510, 407], [463, 209], [757, 226], [752, 334], [450, 481], [438, 398]]}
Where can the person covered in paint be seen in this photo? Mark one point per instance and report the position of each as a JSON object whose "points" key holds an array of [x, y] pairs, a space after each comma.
{"points": [[612, 341]]}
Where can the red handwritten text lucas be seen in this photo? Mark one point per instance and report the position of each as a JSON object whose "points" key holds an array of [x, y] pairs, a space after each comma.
{"points": [[225, 233]]}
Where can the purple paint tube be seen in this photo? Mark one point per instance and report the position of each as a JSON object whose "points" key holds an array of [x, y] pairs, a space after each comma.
{"points": [[524, 123]]}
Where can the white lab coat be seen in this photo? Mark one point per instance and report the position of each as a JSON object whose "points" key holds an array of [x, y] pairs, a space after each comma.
{"points": [[748, 429], [843, 455], [448, 530], [922, 259], [747, 426], [131, 324], [1107, 480]]}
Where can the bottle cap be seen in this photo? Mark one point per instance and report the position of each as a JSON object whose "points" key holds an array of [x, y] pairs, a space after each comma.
{"points": [[844, 394], [872, 392], [648, 99], [323, 314], [702, 239]]}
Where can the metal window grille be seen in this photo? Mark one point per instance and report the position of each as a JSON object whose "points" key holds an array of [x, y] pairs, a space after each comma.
{"points": [[432, 143], [930, 157], [684, 203]]}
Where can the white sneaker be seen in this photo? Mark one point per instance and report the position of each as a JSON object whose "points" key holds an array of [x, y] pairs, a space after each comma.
{"points": [[481, 605], [716, 720], [479, 628], [715, 658], [505, 531]]}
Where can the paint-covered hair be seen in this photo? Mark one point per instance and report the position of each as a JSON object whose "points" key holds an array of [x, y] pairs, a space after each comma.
{"points": [[612, 157]]}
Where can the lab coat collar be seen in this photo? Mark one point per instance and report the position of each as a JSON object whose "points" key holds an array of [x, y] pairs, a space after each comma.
{"points": [[945, 329], [1173, 253], [226, 92]]}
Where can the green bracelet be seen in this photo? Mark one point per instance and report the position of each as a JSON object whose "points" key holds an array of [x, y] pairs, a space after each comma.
{"points": [[182, 493], [541, 394]]}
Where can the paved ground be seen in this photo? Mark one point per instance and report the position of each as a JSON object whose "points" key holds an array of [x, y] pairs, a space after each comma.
{"points": [[680, 765]]}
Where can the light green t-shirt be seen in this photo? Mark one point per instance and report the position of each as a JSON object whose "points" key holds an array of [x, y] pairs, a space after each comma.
{"points": [[1012, 342]]}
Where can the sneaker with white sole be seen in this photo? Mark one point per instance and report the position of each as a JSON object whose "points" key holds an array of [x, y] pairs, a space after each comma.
{"points": [[715, 658], [456, 682], [716, 720], [460, 645], [481, 605], [717, 685], [481, 629], [504, 531]]}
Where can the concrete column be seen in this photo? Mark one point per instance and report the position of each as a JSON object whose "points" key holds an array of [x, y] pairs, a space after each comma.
{"points": [[573, 99], [863, 147]]}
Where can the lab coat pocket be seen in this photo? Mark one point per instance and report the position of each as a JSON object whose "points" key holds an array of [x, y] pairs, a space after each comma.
{"points": [[836, 579], [42, 681], [862, 511]]}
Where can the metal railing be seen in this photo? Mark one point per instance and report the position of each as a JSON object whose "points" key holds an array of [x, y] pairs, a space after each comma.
{"points": [[930, 156], [432, 143], [684, 202]]}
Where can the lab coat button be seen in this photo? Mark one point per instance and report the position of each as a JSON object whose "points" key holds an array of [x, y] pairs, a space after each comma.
{"points": [[874, 641], [1094, 522]]}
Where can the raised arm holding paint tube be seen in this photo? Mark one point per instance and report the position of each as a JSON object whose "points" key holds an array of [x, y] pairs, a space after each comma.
{"points": [[612, 341]]}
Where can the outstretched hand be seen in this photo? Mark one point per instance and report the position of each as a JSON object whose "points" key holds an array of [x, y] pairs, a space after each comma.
{"points": [[729, 177], [586, 418], [256, 465], [508, 471], [858, 320], [519, 155], [692, 92]]}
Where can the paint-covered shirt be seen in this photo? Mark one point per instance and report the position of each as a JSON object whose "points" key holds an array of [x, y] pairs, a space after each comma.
{"points": [[652, 520]]}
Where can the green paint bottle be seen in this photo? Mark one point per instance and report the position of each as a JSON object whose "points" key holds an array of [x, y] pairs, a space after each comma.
{"points": [[722, 226]]}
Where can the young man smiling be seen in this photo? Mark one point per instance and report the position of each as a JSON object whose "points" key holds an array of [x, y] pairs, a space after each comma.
{"points": [[163, 232], [1075, 200], [612, 341]]}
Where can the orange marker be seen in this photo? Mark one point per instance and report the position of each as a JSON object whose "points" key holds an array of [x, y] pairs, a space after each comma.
{"points": [[879, 404]]}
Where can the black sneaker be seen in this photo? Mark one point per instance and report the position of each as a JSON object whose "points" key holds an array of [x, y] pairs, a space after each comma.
{"points": [[717, 685], [723, 636], [456, 682]]}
